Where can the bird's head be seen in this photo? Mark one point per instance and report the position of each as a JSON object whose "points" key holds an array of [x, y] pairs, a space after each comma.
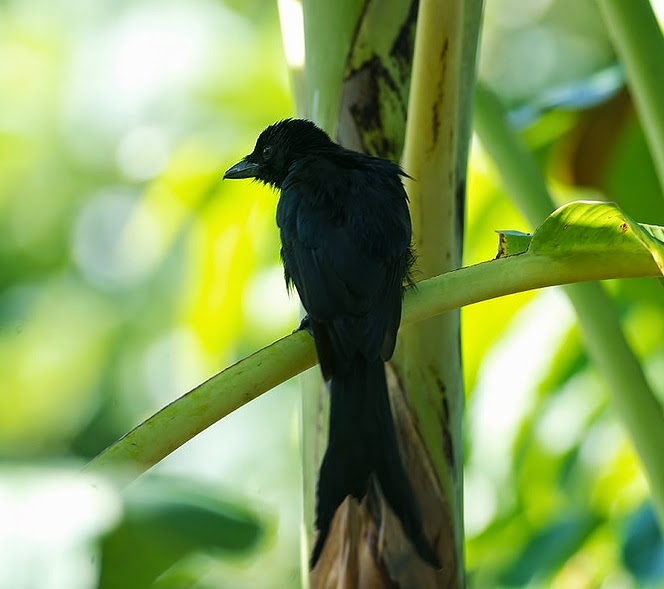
{"points": [[277, 148]]}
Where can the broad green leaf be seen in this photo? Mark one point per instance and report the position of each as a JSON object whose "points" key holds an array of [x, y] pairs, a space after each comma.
{"points": [[549, 549], [582, 228], [165, 520]]}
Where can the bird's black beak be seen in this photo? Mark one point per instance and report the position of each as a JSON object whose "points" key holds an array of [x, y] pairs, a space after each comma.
{"points": [[243, 169]]}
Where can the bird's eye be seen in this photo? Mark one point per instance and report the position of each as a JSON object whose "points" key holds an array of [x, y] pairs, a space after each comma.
{"points": [[267, 152]]}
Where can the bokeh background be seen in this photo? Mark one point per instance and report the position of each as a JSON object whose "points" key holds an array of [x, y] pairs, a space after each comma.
{"points": [[129, 273]]}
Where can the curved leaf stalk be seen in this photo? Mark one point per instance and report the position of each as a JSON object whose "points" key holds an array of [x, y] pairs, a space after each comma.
{"points": [[549, 261]]}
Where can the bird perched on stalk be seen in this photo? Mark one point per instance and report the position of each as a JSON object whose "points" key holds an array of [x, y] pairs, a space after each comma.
{"points": [[346, 247]]}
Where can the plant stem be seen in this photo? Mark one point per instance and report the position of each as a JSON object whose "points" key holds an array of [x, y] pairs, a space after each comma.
{"points": [[187, 416], [631, 395], [638, 40]]}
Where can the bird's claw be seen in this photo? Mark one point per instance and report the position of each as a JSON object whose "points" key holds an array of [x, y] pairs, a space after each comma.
{"points": [[305, 325]]}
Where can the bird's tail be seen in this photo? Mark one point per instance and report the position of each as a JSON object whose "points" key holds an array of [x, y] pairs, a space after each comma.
{"points": [[362, 441]]}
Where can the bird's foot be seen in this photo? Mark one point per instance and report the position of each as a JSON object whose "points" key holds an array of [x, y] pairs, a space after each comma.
{"points": [[305, 325]]}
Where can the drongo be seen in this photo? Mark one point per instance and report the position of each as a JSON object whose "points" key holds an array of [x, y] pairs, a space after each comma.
{"points": [[346, 247]]}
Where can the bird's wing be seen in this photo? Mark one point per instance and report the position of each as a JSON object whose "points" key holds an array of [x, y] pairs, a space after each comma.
{"points": [[346, 268]]}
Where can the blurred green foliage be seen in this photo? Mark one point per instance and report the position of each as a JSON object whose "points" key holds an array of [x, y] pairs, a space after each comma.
{"points": [[164, 522], [129, 273]]}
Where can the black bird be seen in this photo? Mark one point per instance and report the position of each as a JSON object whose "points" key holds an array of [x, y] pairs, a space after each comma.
{"points": [[346, 246]]}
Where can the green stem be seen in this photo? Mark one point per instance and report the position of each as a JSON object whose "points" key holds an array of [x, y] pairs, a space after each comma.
{"points": [[428, 357], [638, 40], [246, 380], [632, 398], [598, 319], [189, 415], [518, 170]]}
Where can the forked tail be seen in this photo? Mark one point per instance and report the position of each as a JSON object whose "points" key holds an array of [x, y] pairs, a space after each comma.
{"points": [[362, 441]]}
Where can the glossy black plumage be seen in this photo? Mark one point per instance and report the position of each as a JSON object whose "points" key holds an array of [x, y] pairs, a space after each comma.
{"points": [[345, 232]]}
